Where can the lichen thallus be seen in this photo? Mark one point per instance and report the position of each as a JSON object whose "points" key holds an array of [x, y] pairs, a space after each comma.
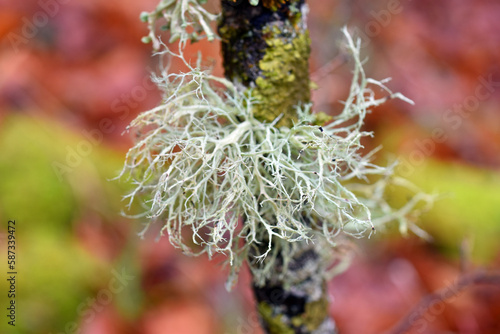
{"points": [[202, 160]]}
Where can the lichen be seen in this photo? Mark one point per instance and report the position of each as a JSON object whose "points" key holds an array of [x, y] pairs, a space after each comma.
{"points": [[270, 4], [274, 323], [284, 79], [270, 55], [274, 5], [186, 20], [314, 315], [321, 118], [207, 156]]}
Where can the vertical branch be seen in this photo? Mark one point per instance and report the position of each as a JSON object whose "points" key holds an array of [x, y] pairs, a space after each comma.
{"points": [[295, 300], [266, 47]]}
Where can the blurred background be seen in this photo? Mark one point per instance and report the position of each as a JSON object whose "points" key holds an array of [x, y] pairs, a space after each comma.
{"points": [[74, 73]]}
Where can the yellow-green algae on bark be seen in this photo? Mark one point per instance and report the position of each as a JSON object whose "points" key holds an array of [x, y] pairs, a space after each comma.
{"points": [[267, 48], [284, 80], [313, 317], [274, 324]]}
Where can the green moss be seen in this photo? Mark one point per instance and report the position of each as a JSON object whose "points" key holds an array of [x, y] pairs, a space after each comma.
{"points": [[275, 324], [284, 80]]}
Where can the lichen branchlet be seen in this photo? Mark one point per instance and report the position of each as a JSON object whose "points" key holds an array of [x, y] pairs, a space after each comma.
{"points": [[186, 20]]}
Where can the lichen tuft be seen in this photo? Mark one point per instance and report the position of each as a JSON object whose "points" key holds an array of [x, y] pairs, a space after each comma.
{"points": [[186, 20], [204, 159]]}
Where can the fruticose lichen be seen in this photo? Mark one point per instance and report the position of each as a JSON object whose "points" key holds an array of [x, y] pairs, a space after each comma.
{"points": [[186, 20], [215, 175]]}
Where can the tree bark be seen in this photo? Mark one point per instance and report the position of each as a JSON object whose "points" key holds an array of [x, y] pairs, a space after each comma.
{"points": [[295, 300], [266, 48]]}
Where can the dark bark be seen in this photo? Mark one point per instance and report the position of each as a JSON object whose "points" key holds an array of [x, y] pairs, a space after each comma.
{"points": [[295, 300]]}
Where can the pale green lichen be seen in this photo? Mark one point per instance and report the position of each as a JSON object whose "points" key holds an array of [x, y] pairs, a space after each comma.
{"points": [[202, 161], [185, 19]]}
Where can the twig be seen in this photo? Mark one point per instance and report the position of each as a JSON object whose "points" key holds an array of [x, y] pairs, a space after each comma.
{"points": [[442, 295]]}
